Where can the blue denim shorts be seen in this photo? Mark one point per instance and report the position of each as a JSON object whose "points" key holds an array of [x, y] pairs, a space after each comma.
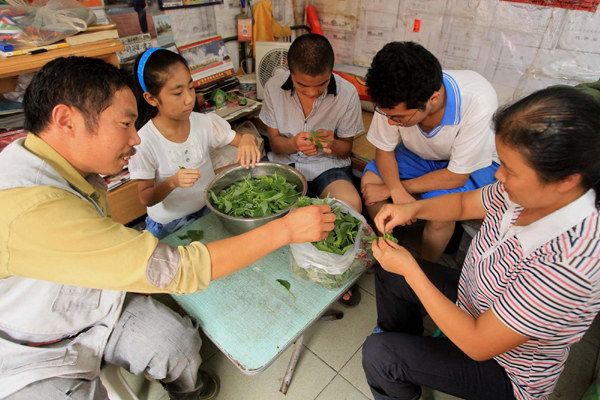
{"points": [[161, 231], [318, 185]]}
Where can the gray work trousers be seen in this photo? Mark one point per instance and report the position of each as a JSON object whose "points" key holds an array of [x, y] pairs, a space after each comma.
{"points": [[149, 337]]}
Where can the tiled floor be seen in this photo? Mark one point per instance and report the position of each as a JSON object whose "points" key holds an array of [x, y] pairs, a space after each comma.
{"points": [[330, 363]]}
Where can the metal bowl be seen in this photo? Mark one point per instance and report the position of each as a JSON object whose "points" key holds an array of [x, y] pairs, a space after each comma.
{"points": [[237, 225]]}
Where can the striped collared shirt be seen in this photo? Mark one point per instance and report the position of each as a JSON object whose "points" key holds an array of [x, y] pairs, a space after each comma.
{"points": [[541, 280], [338, 109]]}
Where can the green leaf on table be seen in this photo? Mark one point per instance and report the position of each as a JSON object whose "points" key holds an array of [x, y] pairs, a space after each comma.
{"points": [[287, 287], [192, 236]]}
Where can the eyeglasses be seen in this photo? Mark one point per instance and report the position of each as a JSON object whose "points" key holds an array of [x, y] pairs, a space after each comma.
{"points": [[395, 118]]}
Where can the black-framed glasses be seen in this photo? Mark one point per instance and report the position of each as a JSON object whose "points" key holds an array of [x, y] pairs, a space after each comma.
{"points": [[395, 118]]}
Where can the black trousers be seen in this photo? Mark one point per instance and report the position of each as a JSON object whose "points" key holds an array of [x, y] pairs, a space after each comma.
{"points": [[399, 361]]}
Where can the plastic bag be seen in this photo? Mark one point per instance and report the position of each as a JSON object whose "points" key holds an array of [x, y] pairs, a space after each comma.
{"points": [[329, 269], [43, 22]]}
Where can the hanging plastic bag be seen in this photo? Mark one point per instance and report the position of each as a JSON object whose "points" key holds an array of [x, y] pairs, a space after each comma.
{"points": [[42, 22], [333, 270]]}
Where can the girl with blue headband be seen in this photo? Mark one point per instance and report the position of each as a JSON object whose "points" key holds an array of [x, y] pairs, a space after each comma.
{"points": [[172, 163]]}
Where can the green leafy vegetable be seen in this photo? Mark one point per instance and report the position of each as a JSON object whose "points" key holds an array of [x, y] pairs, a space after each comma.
{"points": [[386, 235], [255, 197], [192, 235], [317, 140], [287, 287], [344, 233], [180, 167]]}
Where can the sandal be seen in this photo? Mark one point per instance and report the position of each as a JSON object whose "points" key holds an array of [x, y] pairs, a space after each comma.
{"points": [[354, 300]]}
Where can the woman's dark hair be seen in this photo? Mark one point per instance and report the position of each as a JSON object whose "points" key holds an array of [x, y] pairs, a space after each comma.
{"points": [[403, 72], [159, 68], [557, 130], [87, 84], [311, 54]]}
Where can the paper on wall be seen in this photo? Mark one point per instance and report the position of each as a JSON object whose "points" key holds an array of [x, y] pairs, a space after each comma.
{"points": [[337, 22], [389, 7], [425, 29], [368, 42], [581, 32], [193, 24], [341, 7], [342, 43], [225, 15], [465, 47]]}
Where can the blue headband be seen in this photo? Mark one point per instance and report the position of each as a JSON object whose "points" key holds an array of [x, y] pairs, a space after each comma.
{"points": [[142, 65]]}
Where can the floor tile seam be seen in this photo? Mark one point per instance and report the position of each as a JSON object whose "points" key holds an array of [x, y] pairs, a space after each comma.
{"points": [[354, 386], [325, 387], [325, 362]]}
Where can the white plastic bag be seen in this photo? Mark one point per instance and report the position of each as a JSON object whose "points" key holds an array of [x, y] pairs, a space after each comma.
{"points": [[308, 256], [43, 22]]}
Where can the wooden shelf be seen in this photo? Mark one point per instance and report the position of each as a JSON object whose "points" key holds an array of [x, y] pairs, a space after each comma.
{"points": [[10, 67], [125, 204]]}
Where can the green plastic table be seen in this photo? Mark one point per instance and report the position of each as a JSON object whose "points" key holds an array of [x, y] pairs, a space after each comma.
{"points": [[250, 316]]}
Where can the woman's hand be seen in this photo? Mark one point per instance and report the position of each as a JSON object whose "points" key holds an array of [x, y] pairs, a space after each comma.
{"points": [[185, 178], [392, 215], [394, 258], [248, 152]]}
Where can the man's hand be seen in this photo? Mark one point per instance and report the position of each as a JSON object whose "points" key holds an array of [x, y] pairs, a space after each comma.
{"points": [[303, 144], [374, 193], [394, 258], [328, 138], [309, 224], [248, 152], [392, 215], [185, 178]]}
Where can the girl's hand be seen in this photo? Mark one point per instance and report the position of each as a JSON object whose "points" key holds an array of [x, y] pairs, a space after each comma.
{"points": [[327, 141], [392, 215], [185, 178], [248, 152], [303, 144], [394, 258]]}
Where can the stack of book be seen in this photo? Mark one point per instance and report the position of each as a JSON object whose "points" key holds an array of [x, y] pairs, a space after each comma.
{"points": [[116, 180], [12, 122], [94, 33]]}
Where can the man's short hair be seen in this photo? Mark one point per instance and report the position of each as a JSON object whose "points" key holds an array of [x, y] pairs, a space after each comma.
{"points": [[87, 84], [311, 55], [403, 72]]}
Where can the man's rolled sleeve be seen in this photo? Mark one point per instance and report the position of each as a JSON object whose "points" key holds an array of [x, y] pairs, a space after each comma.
{"points": [[61, 238]]}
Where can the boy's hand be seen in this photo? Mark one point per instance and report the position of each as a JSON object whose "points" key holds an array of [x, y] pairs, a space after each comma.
{"points": [[328, 138], [392, 215], [374, 193], [303, 144], [248, 152], [185, 178]]}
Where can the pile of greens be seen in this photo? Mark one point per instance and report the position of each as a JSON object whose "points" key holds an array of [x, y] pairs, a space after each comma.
{"points": [[327, 280], [342, 237], [255, 197]]}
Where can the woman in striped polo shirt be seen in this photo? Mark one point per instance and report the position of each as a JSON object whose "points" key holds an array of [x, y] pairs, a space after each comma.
{"points": [[530, 285]]}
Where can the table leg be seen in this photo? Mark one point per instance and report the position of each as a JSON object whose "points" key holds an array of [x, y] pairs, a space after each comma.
{"points": [[292, 365]]}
